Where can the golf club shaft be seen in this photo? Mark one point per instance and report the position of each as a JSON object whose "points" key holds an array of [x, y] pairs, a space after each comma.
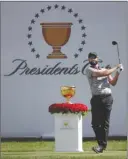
{"points": [[118, 53]]}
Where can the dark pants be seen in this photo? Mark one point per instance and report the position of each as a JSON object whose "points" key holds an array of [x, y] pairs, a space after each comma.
{"points": [[101, 106]]}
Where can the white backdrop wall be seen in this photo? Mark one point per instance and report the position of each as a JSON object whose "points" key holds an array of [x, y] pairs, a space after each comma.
{"points": [[26, 98]]}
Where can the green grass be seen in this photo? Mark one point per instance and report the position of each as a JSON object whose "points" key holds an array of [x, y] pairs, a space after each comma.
{"points": [[45, 150]]}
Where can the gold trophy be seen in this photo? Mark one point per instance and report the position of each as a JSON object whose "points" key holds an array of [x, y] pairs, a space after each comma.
{"points": [[56, 35], [68, 92]]}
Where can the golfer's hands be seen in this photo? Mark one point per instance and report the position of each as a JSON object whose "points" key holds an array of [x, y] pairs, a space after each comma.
{"points": [[120, 68]]}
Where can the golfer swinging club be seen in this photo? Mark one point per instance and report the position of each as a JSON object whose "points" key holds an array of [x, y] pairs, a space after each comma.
{"points": [[102, 100]]}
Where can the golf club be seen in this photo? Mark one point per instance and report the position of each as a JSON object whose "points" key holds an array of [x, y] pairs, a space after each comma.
{"points": [[115, 43]]}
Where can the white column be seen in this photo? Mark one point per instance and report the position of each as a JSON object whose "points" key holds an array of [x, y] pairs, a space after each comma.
{"points": [[68, 133]]}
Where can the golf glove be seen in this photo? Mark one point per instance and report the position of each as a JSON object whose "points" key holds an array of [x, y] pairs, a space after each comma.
{"points": [[120, 69]]}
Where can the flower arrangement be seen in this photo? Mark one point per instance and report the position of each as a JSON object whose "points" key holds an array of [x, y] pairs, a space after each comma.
{"points": [[66, 108]]}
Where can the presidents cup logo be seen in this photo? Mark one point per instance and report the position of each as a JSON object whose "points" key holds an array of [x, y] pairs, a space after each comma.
{"points": [[57, 34], [66, 125], [54, 38]]}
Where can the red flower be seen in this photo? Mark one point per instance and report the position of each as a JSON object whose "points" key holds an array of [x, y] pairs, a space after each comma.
{"points": [[68, 108]]}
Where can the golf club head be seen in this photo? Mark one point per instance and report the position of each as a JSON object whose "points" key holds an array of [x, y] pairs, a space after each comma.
{"points": [[114, 43]]}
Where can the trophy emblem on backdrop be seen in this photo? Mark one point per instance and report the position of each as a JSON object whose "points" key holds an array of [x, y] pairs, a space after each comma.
{"points": [[56, 35]]}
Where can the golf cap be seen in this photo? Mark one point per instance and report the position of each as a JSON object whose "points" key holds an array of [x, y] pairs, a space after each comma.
{"points": [[92, 55]]}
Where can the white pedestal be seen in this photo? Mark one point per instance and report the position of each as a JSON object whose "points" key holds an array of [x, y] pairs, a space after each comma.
{"points": [[68, 133]]}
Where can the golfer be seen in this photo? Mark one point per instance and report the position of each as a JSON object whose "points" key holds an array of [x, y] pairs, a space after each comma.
{"points": [[102, 100]]}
